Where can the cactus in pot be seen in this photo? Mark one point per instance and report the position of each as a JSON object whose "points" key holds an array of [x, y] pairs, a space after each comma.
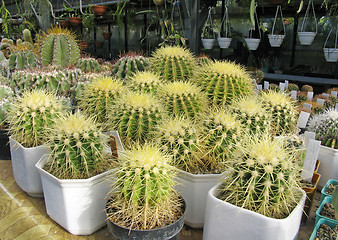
{"points": [[224, 81], [173, 63], [144, 197], [128, 64], [145, 81]]}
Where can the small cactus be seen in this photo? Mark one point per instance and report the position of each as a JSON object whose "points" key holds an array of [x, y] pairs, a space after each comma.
{"points": [[128, 64], [325, 125], [203, 59], [306, 88], [173, 63], [292, 87], [27, 36], [31, 116], [22, 60], [88, 64], [6, 97], [224, 81], [145, 81]]}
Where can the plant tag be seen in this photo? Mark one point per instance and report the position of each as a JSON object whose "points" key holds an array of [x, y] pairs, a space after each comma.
{"points": [[334, 93], [321, 101], [302, 120], [259, 87], [308, 136], [326, 95], [113, 146], [256, 91], [286, 84], [309, 96], [294, 95], [266, 84], [282, 87], [336, 105], [311, 156], [307, 106]]}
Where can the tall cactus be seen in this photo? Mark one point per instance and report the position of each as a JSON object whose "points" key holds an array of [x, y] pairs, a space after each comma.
{"points": [[173, 63], [145, 81], [128, 64], [59, 47], [224, 81]]}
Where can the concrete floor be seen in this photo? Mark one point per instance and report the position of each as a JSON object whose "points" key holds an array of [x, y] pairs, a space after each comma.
{"points": [[23, 217]]}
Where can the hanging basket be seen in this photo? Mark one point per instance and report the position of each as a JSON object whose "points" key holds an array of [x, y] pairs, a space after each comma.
{"points": [[331, 54], [208, 43], [253, 43], [306, 38], [224, 42], [75, 21], [99, 10], [277, 39]]}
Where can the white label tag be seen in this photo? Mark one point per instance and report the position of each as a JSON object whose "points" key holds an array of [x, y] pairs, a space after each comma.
{"points": [[307, 106], [294, 94], [334, 93], [256, 91], [336, 106], [282, 87], [309, 135], [309, 96], [326, 95], [302, 120], [311, 156], [259, 87], [266, 85], [320, 101], [286, 84]]}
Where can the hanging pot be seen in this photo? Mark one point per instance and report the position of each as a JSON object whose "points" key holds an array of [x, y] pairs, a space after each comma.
{"points": [[331, 54], [75, 21], [208, 43], [224, 42], [252, 43], [276, 40], [306, 38], [99, 10]]}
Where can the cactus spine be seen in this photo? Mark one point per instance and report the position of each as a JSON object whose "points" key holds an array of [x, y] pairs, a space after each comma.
{"points": [[173, 63], [224, 81], [146, 81], [128, 64]]}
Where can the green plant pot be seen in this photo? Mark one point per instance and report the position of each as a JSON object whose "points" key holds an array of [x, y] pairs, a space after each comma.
{"points": [[327, 199], [320, 222], [324, 194]]}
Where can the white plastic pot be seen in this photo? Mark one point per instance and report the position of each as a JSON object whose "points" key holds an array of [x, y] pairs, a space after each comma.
{"points": [[328, 168], [194, 189], [23, 163], [226, 221], [208, 43], [252, 43], [306, 38], [276, 40], [331, 54], [224, 42]]}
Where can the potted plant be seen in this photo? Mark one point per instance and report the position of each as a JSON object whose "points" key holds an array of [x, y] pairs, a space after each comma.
{"points": [[325, 126], [224, 31], [251, 42], [99, 10], [306, 37], [74, 176], [208, 33], [30, 118], [331, 53], [260, 197], [277, 39], [144, 204], [73, 15]]}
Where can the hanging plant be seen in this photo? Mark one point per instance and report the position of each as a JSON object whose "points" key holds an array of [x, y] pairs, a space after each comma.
{"points": [[306, 37], [224, 41], [277, 39], [208, 34]]}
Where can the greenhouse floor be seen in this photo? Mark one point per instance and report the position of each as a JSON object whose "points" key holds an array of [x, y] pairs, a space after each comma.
{"points": [[24, 217]]}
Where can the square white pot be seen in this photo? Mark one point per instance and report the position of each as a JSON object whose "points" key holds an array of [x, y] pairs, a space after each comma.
{"points": [[226, 221], [194, 189], [23, 163], [328, 168]]}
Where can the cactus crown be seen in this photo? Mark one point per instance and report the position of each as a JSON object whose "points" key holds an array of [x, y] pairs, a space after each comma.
{"points": [[31, 116], [88, 64], [145, 81], [263, 177]]}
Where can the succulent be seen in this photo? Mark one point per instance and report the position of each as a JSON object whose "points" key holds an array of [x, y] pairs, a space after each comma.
{"points": [[128, 64], [59, 47], [31, 116], [221, 132], [203, 59], [6, 97], [274, 87], [301, 96], [182, 98], [173, 63], [282, 110], [306, 88], [263, 177], [98, 96], [88, 64], [21, 60], [224, 81], [135, 116], [293, 87], [325, 125], [144, 196], [180, 138], [77, 147], [252, 114], [27, 36], [146, 81]]}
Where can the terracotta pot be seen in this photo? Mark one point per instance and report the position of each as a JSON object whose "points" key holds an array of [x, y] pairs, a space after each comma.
{"points": [[64, 23], [98, 44], [75, 21], [99, 10], [84, 45], [106, 35]]}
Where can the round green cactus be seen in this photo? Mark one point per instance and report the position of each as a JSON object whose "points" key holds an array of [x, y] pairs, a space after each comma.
{"points": [[135, 116], [173, 63], [325, 125], [307, 88], [31, 116], [77, 147], [128, 64], [283, 112], [263, 177], [183, 98], [59, 47], [224, 81], [22, 60], [88, 64], [203, 59], [292, 87], [180, 138], [145, 81], [98, 96], [145, 197]]}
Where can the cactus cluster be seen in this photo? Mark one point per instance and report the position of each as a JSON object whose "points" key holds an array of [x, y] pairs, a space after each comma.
{"points": [[59, 47], [182, 98], [263, 177], [224, 81], [88, 64], [146, 81], [21, 60], [31, 116], [145, 198], [6, 97], [98, 96], [128, 64], [135, 116], [325, 125], [283, 112], [173, 63], [77, 147]]}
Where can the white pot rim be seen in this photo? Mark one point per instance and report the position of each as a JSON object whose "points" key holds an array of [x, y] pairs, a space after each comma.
{"points": [[252, 39], [17, 144], [200, 177]]}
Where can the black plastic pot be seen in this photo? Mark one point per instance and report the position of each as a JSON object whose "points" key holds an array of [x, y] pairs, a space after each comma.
{"points": [[169, 232], [5, 153]]}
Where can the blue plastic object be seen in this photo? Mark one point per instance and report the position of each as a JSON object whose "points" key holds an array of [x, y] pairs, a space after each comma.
{"points": [[320, 222], [324, 194], [318, 216]]}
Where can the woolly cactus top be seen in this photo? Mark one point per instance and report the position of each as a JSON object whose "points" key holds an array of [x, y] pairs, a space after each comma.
{"points": [[250, 106], [277, 99], [145, 81], [139, 100], [181, 88], [222, 117], [106, 84], [227, 68], [173, 51]]}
